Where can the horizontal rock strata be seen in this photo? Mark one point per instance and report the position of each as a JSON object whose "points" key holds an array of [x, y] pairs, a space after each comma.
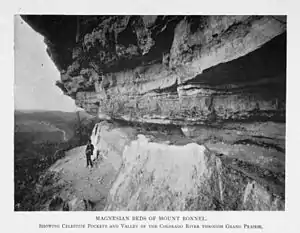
{"points": [[177, 69]]}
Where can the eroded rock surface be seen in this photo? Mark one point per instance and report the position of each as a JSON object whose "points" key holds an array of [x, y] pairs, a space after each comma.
{"points": [[157, 176], [171, 69]]}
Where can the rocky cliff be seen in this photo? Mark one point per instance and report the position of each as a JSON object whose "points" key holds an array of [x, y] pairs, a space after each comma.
{"points": [[170, 69], [220, 81]]}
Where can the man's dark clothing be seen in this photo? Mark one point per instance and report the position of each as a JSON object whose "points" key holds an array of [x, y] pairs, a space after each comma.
{"points": [[89, 151]]}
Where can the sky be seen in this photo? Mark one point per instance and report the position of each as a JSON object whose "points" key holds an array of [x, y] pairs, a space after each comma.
{"points": [[35, 73]]}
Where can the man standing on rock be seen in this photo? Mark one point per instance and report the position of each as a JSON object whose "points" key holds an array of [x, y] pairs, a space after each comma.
{"points": [[88, 152]]}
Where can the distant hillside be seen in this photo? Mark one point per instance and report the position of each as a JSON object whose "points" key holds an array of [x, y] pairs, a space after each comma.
{"points": [[48, 125]]}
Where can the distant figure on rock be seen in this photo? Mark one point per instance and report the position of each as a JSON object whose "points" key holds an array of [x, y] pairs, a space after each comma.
{"points": [[89, 152]]}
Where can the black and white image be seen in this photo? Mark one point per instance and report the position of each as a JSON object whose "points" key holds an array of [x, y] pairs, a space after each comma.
{"points": [[150, 112]]}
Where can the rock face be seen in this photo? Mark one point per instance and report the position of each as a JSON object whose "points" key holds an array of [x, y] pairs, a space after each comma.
{"points": [[163, 176], [170, 69], [213, 88]]}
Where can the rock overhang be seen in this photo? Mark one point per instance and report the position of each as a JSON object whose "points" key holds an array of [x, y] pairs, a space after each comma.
{"points": [[181, 69]]}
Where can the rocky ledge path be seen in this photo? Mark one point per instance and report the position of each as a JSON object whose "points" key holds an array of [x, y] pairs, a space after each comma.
{"points": [[81, 187]]}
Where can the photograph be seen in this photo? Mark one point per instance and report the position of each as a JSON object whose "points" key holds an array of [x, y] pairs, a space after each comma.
{"points": [[149, 112]]}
